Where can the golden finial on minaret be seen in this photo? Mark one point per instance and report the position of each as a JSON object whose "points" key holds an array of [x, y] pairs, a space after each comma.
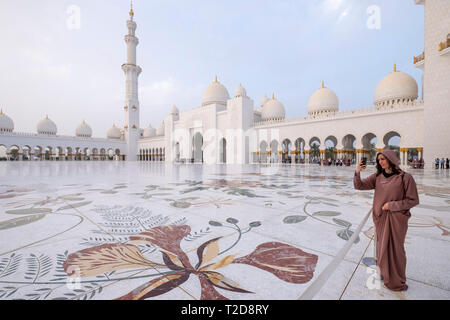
{"points": [[323, 84], [395, 67], [273, 96], [131, 11], [215, 80], [1, 111]]}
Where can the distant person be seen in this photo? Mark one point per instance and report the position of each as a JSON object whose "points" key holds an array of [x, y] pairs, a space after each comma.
{"points": [[442, 163], [395, 194], [437, 163], [447, 164]]}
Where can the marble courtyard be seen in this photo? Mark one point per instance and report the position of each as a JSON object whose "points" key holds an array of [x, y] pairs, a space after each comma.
{"points": [[96, 230]]}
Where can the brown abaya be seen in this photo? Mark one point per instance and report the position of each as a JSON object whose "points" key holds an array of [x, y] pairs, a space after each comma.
{"points": [[400, 192]]}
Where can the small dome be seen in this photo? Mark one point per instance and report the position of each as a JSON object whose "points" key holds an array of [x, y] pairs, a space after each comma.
{"points": [[174, 110], [240, 92], [396, 85], [83, 130], [6, 123], [215, 93], [264, 100], [273, 110], [160, 129], [323, 100], [46, 126], [113, 133], [149, 131]]}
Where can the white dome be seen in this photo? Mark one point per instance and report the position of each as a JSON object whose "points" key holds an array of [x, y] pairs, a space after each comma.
{"points": [[160, 129], [396, 85], [215, 93], [240, 92], [6, 123], [264, 100], [323, 100], [149, 131], [273, 110], [113, 133], [174, 110], [83, 130], [46, 126]]}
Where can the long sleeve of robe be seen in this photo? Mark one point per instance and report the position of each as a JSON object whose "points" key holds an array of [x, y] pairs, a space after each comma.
{"points": [[400, 192]]}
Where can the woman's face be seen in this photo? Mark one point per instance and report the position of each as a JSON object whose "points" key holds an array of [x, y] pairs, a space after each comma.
{"points": [[384, 163]]}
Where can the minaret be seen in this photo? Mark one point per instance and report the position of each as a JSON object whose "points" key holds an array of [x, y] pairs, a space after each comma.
{"points": [[131, 107]]}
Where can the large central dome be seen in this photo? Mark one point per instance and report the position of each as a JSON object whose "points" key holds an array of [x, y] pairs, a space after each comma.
{"points": [[215, 93]]}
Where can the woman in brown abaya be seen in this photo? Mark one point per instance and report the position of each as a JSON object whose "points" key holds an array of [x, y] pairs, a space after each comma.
{"points": [[395, 194]]}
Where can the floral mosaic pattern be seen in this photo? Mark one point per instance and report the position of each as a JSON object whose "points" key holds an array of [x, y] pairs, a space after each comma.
{"points": [[286, 262]]}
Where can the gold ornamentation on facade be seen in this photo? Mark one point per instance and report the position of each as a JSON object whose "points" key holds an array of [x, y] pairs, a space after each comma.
{"points": [[419, 58], [444, 45]]}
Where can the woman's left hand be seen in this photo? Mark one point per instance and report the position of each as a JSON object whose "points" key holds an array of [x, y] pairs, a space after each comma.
{"points": [[385, 207]]}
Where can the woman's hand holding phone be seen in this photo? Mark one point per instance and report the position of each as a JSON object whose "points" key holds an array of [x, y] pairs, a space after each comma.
{"points": [[360, 167]]}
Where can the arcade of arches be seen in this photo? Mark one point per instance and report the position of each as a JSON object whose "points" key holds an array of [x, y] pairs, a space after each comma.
{"points": [[153, 155], [39, 153], [314, 150]]}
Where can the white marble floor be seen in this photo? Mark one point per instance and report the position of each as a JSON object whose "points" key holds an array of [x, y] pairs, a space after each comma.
{"points": [[110, 230]]}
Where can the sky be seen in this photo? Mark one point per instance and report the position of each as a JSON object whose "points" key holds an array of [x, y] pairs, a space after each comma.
{"points": [[63, 58]]}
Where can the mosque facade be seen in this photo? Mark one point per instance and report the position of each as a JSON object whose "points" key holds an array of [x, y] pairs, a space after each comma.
{"points": [[233, 129]]}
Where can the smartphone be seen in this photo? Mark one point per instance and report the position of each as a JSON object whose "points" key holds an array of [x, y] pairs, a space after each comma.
{"points": [[364, 161]]}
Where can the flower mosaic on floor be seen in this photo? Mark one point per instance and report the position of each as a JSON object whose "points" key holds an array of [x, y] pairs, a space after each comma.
{"points": [[126, 239], [286, 262]]}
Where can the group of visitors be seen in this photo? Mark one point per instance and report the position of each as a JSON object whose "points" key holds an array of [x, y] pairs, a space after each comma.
{"points": [[417, 163], [444, 163], [334, 162]]}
